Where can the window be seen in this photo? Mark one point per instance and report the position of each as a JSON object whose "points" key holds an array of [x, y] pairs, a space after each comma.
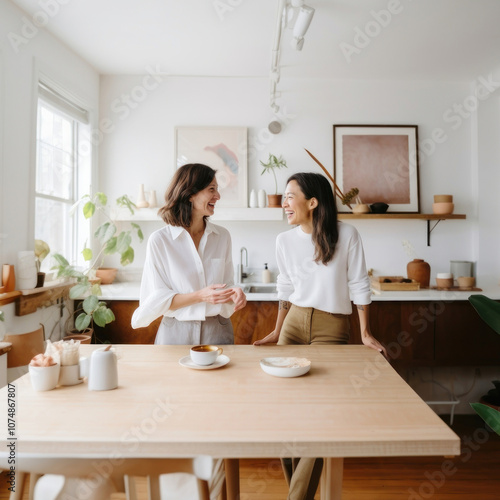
{"points": [[63, 174]]}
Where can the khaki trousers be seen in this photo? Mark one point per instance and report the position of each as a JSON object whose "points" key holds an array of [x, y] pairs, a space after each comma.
{"points": [[306, 325]]}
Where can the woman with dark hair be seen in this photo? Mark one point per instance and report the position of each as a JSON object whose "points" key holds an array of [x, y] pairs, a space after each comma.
{"points": [[188, 269], [321, 269]]}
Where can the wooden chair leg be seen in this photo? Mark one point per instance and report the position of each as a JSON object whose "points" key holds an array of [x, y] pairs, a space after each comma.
{"points": [[154, 487], [130, 489], [232, 467], [203, 489], [33, 479], [18, 493]]}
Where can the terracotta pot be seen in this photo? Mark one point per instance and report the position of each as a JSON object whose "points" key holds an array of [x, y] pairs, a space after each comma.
{"points": [[85, 336], [420, 271], [274, 200], [106, 274]]}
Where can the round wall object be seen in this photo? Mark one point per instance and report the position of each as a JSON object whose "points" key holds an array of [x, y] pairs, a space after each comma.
{"points": [[274, 127]]}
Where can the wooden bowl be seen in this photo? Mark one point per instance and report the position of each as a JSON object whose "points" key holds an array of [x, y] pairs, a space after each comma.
{"points": [[444, 282], [466, 282], [440, 198], [443, 208]]}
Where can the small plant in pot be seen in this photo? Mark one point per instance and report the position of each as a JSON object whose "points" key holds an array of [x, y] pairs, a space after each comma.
{"points": [[42, 249], [113, 238], [488, 407], [273, 163]]}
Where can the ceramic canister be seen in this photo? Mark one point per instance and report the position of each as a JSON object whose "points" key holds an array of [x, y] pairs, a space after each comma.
{"points": [[420, 271], [26, 276]]}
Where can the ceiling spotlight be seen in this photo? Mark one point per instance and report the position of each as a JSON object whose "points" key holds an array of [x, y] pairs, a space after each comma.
{"points": [[301, 26], [274, 127]]}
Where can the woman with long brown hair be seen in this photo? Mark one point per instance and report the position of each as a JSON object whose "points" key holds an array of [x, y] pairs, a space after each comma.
{"points": [[188, 271], [321, 269]]}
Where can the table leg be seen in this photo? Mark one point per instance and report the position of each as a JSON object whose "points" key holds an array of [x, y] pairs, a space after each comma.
{"points": [[331, 479], [232, 467]]}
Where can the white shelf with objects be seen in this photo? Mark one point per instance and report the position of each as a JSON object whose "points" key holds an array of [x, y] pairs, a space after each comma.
{"points": [[221, 213]]}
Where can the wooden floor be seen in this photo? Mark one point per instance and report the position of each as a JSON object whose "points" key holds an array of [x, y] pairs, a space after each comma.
{"points": [[472, 475]]}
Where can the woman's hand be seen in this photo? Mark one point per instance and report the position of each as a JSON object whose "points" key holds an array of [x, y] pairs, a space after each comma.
{"points": [[239, 298], [373, 343], [216, 294], [272, 338]]}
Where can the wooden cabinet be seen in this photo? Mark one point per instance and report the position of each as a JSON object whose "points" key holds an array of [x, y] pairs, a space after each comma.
{"points": [[418, 333], [253, 322]]}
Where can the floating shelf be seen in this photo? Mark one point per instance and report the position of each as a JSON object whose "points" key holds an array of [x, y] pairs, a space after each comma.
{"points": [[427, 217]]}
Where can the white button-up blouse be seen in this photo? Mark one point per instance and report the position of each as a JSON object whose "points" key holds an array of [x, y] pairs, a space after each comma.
{"points": [[173, 265]]}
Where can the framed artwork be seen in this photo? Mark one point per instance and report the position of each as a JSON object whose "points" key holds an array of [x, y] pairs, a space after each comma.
{"points": [[381, 161], [222, 148]]}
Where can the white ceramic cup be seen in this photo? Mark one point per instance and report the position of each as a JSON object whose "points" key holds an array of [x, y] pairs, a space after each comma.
{"points": [[44, 378], [205, 354], [73, 374], [103, 370]]}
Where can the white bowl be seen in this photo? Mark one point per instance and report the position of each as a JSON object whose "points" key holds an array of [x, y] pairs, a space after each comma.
{"points": [[285, 367]]}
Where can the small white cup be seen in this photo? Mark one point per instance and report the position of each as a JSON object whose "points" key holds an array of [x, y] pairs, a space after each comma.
{"points": [[73, 374], [44, 378], [205, 354]]}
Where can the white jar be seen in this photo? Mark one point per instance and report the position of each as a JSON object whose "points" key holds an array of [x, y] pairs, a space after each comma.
{"points": [[262, 198], [253, 199], [26, 273]]}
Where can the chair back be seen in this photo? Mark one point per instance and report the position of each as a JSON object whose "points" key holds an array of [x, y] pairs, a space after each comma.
{"points": [[24, 347]]}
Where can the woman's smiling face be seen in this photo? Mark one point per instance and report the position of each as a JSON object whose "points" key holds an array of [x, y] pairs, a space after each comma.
{"points": [[204, 201], [297, 208]]}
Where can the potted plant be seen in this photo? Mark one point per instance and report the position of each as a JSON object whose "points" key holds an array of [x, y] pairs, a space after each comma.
{"points": [[488, 407], [41, 251], [273, 163], [113, 238]]}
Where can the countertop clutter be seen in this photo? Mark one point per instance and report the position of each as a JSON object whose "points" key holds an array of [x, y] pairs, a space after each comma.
{"points": [[130, 291]]}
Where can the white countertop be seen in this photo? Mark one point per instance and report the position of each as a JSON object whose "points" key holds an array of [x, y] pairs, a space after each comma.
{"points": [[130, 291]]}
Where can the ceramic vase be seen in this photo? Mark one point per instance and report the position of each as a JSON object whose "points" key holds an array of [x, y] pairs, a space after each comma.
{"points": [[253, 199], [261, 197], [27, 274], [152, 199], [141, 198], [420, 271]]}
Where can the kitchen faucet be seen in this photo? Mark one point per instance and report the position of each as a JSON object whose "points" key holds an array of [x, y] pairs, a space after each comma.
{"points": [[242, 274]]}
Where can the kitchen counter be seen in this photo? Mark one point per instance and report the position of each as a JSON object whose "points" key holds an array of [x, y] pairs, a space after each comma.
{"points": [[130, 291]]}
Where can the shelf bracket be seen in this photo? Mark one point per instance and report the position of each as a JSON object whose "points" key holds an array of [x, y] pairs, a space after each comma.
{"points": [[430, 229]]}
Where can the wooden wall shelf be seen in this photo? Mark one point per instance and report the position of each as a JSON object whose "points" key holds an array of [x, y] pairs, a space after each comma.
{"points": [[30, 300], [427, 217]]}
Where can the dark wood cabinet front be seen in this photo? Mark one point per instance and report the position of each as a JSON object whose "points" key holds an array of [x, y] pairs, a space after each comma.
{"points": [[415, 333]]}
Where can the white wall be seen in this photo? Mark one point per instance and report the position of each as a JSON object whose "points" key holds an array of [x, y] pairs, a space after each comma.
{"points": [[140, 149], [36, 51]]}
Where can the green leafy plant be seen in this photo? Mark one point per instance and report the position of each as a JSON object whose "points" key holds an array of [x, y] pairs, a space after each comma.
{"points": [[2, 317], [113, 238], [272, 164], [489, 311]]}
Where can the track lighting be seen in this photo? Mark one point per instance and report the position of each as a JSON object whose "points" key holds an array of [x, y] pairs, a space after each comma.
{"points": [[301, 26]]}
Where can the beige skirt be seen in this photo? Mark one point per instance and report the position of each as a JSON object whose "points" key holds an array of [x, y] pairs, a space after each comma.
{"points": [[214, 330]]}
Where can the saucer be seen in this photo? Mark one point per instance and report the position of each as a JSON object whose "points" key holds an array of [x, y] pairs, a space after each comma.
{"points": [[186, 361]]}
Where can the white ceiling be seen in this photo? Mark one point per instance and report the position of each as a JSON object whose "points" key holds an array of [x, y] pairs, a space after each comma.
{"points": [[425, 39]]}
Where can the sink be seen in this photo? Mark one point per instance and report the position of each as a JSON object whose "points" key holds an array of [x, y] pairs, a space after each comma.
{"points": [[271, 288]]}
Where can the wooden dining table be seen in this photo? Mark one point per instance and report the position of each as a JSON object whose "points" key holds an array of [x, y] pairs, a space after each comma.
{"points": [[351, 403]]}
